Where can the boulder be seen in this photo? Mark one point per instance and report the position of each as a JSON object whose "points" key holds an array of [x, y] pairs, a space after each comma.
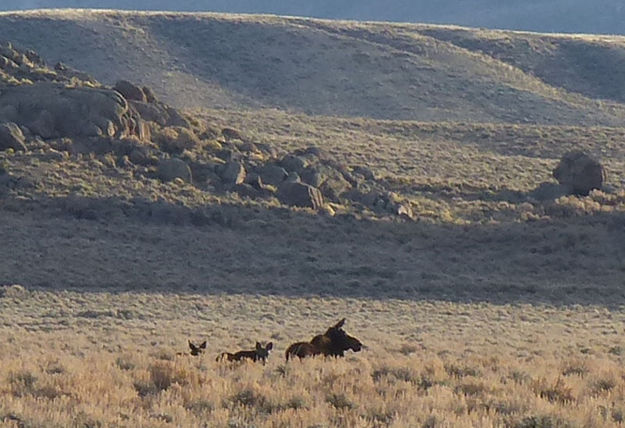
{"points": [[159, 113], [231, 134], [246, 190], [311, 152], [11, 137], [580, 172], [364, 171], [176, 139], [130, 91], [273, 174], [334, 184], [300, 195], [312, 176], [170, 169], [53, 110], [149, 95], [233, 173], [293, 163]]}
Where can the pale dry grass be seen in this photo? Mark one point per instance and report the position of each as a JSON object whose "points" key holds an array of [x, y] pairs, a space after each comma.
{"points": [[380, 70], [100, 359]]}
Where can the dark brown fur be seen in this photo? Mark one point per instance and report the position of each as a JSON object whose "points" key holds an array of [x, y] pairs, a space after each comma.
{"points": [[334, 342], [302, 350], [195, 350], [259, 354]]}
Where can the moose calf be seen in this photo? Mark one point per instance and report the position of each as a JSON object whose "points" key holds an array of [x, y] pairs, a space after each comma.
{"points": [[195, 350], [260, 353]]}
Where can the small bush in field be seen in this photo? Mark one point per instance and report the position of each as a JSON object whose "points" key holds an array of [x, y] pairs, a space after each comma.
{"points": [[340, 401], [176, 139], [556, 392], [578, 368], [603, 384]]}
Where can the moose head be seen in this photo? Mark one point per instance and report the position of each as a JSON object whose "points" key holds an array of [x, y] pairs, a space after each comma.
{"points": [[197, 349]]}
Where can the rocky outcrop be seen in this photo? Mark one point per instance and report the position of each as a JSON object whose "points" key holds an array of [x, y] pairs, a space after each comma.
{"points": [[26, 67], [52, 110], [130, 91], [300, 195]]}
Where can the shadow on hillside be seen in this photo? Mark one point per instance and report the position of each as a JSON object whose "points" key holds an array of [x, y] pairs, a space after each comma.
{"points": [[545, 193], [112, 244]]}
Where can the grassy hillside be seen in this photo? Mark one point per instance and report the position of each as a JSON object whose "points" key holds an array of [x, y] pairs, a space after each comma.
{"points": [[333, 68], [571, 16], [483, 299]]}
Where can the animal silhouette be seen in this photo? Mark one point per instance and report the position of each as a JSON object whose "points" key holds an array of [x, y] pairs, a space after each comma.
{"points": [[195, 350], [334, 342], [260, 353]]}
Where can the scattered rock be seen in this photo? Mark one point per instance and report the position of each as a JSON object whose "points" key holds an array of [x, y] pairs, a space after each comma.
{"points": [[300, 195], [176, 139], [11, 137], [159, 113], [231, 134], [364, 171], [246, 190], [404, 210], [293, 163], [139, 156], [130, 91], [269, 150], [334, 184], [72, 73], [149, 95], [233, 173], [228, 154], [579, 171], [170, 169], [312, 151], [248, 147], [124, 162], [273, 174], [293, 177], [311, 175]]}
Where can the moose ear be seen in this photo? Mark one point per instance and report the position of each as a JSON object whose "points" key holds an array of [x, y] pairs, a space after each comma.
{"points": [[203, 345], [269, 346], [259, 346], [192, 346], [340, 323]]}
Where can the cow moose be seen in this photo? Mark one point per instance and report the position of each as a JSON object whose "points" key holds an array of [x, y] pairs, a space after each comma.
{"points": [[334, 342], [260, 353]]}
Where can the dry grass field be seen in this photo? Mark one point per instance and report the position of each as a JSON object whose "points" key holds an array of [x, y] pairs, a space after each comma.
{"points": [[109, 359], [490, 306]]}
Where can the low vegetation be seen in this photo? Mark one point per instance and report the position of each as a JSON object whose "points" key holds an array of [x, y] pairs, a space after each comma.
{"points": [[485, 293], [110, 359]]}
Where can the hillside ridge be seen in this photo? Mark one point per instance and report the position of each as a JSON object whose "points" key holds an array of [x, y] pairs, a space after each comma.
{"points": [[338, 68]]}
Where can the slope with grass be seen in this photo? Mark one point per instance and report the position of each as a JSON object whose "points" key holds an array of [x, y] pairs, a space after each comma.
{"points": [[389, 71], [483, 302]]}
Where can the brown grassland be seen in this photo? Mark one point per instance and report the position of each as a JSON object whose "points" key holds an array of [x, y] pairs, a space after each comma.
{"points": [[489, 308]]}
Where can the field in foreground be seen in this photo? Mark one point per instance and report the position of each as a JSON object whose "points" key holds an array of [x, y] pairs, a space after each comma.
{"points": [[484, 298], [109, 359]]}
